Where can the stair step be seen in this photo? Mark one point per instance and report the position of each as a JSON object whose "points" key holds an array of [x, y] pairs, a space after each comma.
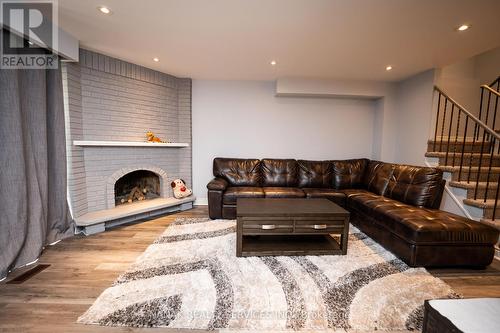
{"points": [[467, 158], [470, 145], [487, 207], [472, 185], [483, 174], [480, 203], [494, 223], [481, 188]]}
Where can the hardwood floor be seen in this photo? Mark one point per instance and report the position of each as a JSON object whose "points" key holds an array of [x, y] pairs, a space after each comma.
{"points": [[82, 267]]}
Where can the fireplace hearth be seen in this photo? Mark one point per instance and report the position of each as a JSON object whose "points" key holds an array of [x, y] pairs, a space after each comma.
{"points": [[106, 141], [137, 185]]}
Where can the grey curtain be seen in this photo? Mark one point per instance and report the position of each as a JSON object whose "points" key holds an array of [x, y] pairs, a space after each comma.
{"points": [[33, 194]]}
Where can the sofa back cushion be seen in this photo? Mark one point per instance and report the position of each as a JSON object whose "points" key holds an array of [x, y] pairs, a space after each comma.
{"points": [[277, 172], [377, 176], [238, 172], [417, 186], [316, 174], [349, 173]]}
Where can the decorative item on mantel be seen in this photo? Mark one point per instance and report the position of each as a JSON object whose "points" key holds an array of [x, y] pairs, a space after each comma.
{"points": [[180, 189], [151, 137]]}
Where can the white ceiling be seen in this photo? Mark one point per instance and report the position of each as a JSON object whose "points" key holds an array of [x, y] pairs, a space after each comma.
{"points": [[236, 39]]}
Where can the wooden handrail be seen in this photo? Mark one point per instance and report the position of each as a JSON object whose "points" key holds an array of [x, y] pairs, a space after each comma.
{"points": [[490, 90], [471, 116], [484, 137]]}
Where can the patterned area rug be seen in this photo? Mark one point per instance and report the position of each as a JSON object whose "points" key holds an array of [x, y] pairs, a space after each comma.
{"points": [[191, 278]]}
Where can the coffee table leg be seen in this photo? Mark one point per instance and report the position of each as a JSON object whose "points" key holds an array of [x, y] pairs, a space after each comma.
{"points": [[239, 237], [344, 237]]}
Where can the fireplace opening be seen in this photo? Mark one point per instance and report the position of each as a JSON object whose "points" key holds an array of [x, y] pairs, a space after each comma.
{"points": [[137, 186]]}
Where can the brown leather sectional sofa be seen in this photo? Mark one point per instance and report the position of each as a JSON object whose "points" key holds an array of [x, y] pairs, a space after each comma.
{"points": [[396, 205]]}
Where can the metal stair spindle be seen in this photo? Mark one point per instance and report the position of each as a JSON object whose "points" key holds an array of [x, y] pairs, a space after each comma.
{"points": [[484, 138]]}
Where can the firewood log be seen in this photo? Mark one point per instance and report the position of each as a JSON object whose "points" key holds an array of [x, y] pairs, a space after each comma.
{"points": [[133, 193]]}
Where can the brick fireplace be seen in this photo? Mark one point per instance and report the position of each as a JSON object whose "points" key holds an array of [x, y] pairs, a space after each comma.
{"points": [[136, 185], [110, 104]]}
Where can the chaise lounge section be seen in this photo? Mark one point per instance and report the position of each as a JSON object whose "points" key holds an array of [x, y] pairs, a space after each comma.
{"points": [[396, 205]]}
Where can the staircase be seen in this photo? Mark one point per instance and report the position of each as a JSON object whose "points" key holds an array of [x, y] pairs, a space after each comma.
{"points": [[466, 147]]}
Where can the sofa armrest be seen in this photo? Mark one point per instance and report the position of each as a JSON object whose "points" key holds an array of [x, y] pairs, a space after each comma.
{"points": [[217, 184], [439, 195]]}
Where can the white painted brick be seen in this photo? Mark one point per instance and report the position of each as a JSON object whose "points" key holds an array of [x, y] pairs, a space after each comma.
{"points": [[109, 99]]}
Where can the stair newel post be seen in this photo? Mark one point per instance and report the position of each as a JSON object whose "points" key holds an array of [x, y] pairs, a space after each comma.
{"points": [[442, 126], [437, 122], [449, 134], [463, 146], [493, 142]]}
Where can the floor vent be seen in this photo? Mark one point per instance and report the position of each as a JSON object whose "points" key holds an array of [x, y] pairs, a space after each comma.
{"points": [[28, 274]]}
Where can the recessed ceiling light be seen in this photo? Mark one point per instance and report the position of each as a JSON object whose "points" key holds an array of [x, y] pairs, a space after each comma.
{"points": [[273, 62], [463, 27], [388, 68], [156, 59], [104, 10]]}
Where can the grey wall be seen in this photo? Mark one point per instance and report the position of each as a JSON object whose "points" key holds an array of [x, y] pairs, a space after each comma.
{"points": [[462, 80], [111, 100], [414, 117], [245, 119]]}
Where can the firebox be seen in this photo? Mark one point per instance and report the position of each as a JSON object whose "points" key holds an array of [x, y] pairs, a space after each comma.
{"points": [[137, 186]]}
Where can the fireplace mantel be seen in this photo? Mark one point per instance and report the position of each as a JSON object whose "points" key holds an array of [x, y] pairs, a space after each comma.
{"points": [[83, 143]]}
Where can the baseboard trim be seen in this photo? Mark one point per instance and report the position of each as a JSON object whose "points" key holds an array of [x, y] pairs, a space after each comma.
{"points": [[201, 202]]}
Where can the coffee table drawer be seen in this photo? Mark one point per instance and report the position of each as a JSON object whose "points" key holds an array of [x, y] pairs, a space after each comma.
{"points": [[318, 228], [319, 225], [267, 229], [267, 225]]}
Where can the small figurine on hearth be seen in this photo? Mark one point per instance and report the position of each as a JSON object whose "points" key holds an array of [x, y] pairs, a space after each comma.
{"points": [[180, 190]]}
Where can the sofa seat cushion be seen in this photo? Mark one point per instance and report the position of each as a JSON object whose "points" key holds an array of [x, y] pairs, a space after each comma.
{"points": [[327, 193], [355, 196], [283, 192], [323, 193], [233, 193], [349, 193], [363, 201], [428, 226]]}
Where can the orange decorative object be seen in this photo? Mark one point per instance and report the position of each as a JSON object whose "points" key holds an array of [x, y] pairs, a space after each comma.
{"points": [[152, 138]]}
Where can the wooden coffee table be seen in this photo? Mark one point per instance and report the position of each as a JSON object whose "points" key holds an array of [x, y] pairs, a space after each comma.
{"points": [[280, 227]]}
